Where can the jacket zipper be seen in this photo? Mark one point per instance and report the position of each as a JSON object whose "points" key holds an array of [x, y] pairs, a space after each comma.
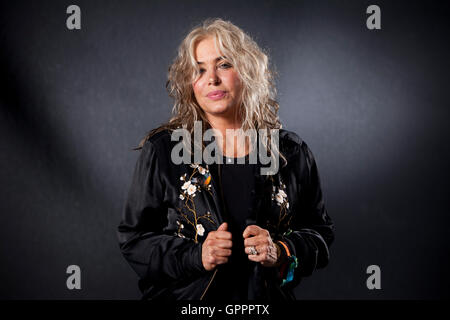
{"points": [[221, 192]]}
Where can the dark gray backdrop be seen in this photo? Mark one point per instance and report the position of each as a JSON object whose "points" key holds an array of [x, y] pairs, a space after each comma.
{"points": [[372, 105]]}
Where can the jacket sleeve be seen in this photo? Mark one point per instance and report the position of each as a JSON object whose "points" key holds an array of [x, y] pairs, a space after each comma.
{"points": [[312, 229], [156, 255]]}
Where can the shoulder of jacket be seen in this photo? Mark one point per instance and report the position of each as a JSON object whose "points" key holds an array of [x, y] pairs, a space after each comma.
{"points": [[290, 140], [157, 146], [158, 140]]}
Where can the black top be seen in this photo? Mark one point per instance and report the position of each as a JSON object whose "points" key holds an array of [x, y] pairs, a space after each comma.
{"points": [[231, 280]]}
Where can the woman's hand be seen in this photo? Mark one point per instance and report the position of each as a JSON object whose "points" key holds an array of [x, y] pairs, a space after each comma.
{"points": [[217, 247], [258, 238]]}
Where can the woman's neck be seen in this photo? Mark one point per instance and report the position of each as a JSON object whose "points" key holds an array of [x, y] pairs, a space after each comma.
{"points": [[232, 144]]}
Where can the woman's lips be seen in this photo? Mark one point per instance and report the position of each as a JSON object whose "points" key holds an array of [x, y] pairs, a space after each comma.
{"points": [[216, 95]]}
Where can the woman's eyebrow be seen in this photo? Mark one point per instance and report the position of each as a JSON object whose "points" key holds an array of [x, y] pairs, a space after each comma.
{"points": [[215, 60]]}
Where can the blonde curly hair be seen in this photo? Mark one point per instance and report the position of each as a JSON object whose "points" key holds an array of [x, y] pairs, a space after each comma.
{"points": [[258, 110]]}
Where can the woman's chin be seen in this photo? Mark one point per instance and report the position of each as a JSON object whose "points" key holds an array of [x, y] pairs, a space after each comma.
{"points": [[219, 110]]}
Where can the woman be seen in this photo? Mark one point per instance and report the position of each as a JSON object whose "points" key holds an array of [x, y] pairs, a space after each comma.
{"points": [[224, 231]]}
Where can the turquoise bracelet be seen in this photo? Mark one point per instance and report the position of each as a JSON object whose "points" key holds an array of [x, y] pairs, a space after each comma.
{"points": [[290, 274]]}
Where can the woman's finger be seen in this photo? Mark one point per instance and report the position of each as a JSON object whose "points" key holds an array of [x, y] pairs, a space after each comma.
{"points": [[218, 252]]}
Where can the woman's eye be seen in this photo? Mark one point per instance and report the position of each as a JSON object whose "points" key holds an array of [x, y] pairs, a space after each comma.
{"points": [[225, 65], [202, 70]]}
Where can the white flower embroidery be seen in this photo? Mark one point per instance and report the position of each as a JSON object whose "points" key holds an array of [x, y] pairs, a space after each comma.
{"points": [[186, 185], [279, 198], [287, 205], [201, 170], [200, 229], [198, 180], [283, 194], [191, 189], [180, 224]]}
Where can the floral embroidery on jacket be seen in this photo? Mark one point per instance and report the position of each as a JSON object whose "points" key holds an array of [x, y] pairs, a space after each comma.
{"points": [[279, 195], [180, 226], [199, 179]]}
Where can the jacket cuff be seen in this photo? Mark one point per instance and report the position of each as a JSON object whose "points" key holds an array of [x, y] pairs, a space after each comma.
{"points": [[193, 260]]}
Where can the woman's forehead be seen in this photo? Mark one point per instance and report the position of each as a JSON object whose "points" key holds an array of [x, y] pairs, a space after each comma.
{"points": [[207, 51]]}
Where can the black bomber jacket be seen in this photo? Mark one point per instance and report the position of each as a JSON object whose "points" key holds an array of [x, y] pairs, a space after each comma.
{"points": [[163, 226]]}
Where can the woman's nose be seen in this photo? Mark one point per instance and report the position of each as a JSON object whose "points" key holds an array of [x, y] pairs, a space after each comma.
{"points": [[213, 77]]}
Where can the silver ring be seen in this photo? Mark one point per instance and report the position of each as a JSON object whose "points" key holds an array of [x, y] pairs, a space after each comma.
{"points": [[253, 251]]}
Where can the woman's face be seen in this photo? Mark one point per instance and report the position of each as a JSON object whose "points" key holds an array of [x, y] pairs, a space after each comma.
{"points": [[218, 87]]}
